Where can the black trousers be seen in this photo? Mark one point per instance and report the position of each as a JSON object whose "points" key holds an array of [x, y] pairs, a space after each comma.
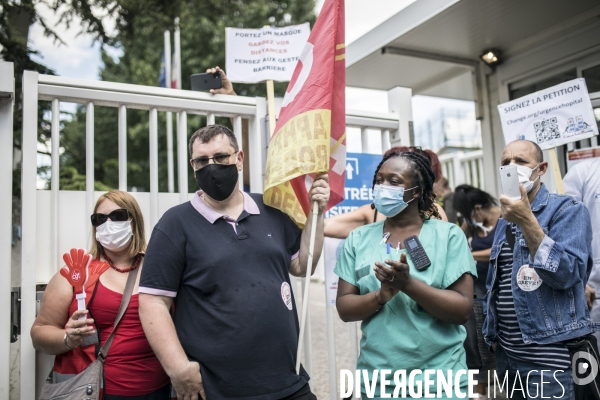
{"points": [[160, 394], [163, 394], [303, 394]]}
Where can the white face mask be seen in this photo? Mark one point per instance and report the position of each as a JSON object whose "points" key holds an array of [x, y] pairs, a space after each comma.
{"points": [[114, 235], [486, 229], [524, 176]]}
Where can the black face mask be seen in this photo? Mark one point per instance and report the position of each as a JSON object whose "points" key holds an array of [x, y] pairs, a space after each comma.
{"points": [[218, 180]]}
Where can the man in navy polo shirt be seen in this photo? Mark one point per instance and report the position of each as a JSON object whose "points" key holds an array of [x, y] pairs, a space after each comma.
{"points": [[225, 258]]}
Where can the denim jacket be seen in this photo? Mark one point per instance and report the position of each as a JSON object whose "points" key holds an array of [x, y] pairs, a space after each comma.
{"points": [[557, 309]]}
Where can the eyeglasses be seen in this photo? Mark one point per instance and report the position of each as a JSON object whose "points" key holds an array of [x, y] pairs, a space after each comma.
{"points": [[202, 162], [120, 214]]}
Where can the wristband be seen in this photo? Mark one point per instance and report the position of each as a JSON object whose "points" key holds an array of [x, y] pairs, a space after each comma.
{"points": [[378, 290], [66, 343]]}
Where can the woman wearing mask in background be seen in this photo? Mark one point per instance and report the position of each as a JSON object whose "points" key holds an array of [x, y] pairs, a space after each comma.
{"points": [[411, 318], [340, 226], [481, 213], [131, 369]]}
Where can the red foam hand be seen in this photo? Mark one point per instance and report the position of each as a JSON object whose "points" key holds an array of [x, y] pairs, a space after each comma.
{"points": [[76, 271], [96, 269]]}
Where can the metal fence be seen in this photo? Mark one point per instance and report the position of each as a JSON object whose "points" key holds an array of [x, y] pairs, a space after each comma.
{"points": [[44, 239], [463, 168]]}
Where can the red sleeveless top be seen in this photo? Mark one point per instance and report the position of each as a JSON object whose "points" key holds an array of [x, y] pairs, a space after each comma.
{"points": [[131, 368]]}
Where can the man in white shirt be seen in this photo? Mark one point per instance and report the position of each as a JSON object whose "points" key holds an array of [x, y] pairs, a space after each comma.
{"points": [[583, 183]]}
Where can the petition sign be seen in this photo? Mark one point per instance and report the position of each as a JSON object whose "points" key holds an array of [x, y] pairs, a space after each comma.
{"points": [[551, 117], [257, 55]]}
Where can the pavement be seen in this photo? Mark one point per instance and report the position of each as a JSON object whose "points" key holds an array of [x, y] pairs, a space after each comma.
{"points": [[319, 376]]}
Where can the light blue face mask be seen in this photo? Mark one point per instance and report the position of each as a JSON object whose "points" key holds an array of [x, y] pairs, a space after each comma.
{"points": [[389, 200]]}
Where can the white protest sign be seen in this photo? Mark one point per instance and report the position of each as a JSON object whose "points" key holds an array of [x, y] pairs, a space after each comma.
{"points": [[257, 55], [551, 117]]}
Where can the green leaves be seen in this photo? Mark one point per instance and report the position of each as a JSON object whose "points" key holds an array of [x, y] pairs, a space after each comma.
{"points": [[138, 33]]}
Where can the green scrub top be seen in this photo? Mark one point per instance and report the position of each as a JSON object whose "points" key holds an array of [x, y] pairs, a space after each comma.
{"points": [[402, 335]]}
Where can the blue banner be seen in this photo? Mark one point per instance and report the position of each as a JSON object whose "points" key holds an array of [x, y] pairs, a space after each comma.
{"points": [[360, 169]]}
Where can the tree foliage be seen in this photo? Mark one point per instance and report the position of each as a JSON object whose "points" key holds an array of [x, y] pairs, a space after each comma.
{"points": [[16, 17], [140, 29]]}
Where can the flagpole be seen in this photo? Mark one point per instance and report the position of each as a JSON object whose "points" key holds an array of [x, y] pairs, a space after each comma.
{"points": [[313, 231], [177, 40], [560, 188], [271, 105], [305, 300], [272, 123], [176, 37], [169, 114]]}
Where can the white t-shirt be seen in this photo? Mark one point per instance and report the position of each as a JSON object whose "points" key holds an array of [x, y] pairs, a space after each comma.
{"points": [[583, 182]]}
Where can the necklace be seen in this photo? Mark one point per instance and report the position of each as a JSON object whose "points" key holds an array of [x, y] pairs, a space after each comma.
{"points": [[136, 261]]}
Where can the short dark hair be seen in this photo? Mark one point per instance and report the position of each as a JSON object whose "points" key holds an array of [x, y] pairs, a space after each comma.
{"points": [[209, 132], [539, 153], [466, 197]]}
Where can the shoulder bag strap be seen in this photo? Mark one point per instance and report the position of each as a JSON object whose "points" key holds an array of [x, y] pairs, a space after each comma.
{"points": [[131, 278]]}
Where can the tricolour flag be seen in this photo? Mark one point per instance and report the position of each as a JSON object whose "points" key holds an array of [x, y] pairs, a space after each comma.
{"points": [[162, 79], [310, 136], [176, 71]]}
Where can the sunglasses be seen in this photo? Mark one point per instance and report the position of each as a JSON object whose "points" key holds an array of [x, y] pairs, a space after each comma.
{"points": [[120, 214]]}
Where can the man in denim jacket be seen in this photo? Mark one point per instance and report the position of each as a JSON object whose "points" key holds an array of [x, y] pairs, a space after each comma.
{"points": [[539, 263]]}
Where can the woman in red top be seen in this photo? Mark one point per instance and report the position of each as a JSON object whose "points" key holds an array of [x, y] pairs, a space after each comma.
{"points": [[131, 369]]}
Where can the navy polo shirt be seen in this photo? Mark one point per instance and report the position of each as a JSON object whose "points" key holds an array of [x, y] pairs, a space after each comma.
{"points": [[234, 310]]}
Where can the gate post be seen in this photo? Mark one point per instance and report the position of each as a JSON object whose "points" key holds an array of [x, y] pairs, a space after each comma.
{"points": [[7, 98], [29, 228]]}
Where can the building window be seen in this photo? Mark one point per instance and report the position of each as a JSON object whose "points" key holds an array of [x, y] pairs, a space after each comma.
{"points": [[555, 80], [592, 78]]}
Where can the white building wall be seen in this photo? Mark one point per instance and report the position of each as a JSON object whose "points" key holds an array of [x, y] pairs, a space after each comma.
{"points": [[573, 47]]}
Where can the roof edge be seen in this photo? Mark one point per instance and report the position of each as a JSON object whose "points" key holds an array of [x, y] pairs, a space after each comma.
{"points": [[388, 31]]}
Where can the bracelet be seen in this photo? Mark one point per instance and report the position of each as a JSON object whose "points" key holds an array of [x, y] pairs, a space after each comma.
{"points": [[378, 290], [66, 343]]}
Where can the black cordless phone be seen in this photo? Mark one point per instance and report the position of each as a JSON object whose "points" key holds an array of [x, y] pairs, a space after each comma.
{"points": [[417, 253]]}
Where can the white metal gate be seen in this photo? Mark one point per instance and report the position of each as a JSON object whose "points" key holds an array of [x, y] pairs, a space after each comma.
{"points": [[44, 239], [7, 95]]}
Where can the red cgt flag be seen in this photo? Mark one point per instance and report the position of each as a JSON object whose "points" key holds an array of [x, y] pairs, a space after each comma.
{"points": [[310, 136]]}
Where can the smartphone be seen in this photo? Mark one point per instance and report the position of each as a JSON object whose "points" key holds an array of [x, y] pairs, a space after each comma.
{"points": [[510, 182], [202, 82]]}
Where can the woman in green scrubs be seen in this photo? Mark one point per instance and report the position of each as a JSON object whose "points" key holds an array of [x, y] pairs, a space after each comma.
{"points": [[411, 319]]}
